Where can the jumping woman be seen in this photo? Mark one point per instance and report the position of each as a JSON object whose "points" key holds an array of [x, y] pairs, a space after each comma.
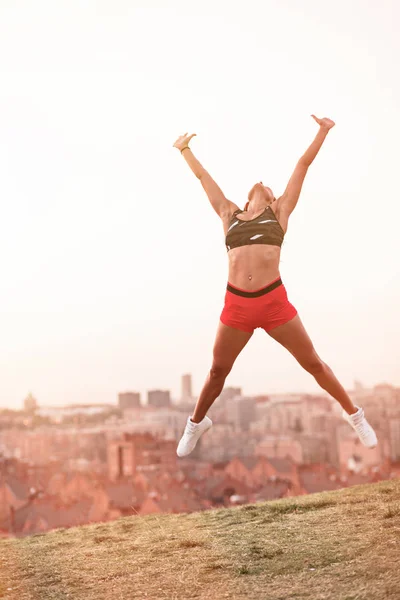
{"points": [[255, 295]]}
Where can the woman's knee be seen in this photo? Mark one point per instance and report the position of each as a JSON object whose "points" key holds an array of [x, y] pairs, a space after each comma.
{"points": [[219, 371], [314, 365]]}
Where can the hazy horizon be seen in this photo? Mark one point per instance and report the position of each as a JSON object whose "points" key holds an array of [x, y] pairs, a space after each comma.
{"points": [[114, 266]]}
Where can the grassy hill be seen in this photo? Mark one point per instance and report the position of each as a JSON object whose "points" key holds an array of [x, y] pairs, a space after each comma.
{"points": [[342, 545]]}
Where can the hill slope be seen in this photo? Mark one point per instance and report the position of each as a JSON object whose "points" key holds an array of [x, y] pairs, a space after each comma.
{"points": [[341, 545]]}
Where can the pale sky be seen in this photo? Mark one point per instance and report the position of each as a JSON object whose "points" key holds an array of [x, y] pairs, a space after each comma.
{"points": [[114, 267]]}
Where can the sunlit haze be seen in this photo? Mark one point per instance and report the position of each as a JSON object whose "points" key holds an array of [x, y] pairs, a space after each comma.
{"points": [[114, 267]]}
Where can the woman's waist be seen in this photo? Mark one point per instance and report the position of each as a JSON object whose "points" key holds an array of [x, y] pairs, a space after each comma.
{"points": [[244, 282], [250, 293], [251, 270]]}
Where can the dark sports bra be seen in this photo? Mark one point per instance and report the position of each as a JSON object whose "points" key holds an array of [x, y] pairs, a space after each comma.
{"points": [[264, 229]]}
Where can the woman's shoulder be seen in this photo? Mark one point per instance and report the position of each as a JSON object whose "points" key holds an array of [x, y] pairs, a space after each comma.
{"points": [[231, 210], [280, 215]]}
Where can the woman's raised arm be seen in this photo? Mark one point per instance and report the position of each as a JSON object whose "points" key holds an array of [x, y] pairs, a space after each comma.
{"points": [[324, 126], [182, 143], [219, 202], [288, 200]]}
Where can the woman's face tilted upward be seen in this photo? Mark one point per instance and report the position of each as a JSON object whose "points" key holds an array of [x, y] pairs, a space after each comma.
{"points": [[260, 191]]}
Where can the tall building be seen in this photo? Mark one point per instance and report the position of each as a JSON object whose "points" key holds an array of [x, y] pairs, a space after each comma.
{"points": [[186, 387], [159, 398], [128, 400]]}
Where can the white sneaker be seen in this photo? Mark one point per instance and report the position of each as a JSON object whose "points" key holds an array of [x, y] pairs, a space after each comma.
{"points": [[191, 434], [360, 424]]}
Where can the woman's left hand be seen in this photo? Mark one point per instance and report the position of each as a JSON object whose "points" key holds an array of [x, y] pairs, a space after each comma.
{"points": [[325, 123]]}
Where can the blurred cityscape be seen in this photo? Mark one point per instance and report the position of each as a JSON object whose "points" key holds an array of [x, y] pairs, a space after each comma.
{"points": [[79, 464]]}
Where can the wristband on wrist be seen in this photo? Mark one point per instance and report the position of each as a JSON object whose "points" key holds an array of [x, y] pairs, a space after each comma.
{"points": [[184, 148]]}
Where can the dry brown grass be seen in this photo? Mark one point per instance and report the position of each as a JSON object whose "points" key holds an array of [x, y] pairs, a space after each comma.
{"points": [[341, 545]]}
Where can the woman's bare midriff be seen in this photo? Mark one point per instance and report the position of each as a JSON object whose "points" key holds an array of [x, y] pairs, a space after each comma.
{"points": [[253, 267]]}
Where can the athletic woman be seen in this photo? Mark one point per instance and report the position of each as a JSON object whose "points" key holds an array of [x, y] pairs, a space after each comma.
{"points": [[255, 295]]}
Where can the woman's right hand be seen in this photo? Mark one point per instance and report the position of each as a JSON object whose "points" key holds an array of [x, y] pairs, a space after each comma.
{"points": [[183, 141]]}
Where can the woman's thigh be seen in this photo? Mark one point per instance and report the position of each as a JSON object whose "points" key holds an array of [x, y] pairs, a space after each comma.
{"points": [[294, 337], [229, 342]]}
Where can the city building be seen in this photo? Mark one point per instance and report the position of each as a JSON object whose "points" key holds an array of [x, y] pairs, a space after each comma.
{"points": [[280, 446], [186, 394], [242, 412], [129, 452], [394, 439], [228, 393], [159, 398], [127, 400], [166, 422]]}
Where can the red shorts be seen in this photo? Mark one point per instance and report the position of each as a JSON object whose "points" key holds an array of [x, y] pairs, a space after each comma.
{"points": [[267, 307]]}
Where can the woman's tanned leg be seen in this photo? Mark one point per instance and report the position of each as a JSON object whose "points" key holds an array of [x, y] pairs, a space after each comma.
{"points": [[229, 342], [294, 338]]}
